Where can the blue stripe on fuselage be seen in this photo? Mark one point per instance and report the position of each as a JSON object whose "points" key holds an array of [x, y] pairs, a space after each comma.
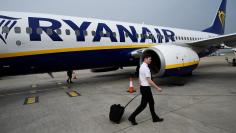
{"points": [[64, 61]]}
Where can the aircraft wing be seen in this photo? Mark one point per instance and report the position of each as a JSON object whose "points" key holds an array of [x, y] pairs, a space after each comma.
{"points": [[216, 41]]}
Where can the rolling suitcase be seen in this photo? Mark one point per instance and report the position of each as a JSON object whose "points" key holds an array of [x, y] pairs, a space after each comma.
{"points": [[117, 111]]}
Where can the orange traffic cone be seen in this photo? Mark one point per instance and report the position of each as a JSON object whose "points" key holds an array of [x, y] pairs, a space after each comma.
{"points": [[131, 87]]}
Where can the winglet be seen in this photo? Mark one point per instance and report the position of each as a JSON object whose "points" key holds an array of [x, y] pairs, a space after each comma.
{"points": [[218, 27]]}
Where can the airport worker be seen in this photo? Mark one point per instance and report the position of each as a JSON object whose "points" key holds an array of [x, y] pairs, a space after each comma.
{"points": [[145, 90], [69, 74]]}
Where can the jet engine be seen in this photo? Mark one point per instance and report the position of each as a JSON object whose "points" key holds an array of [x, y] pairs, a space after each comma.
{"points": [[171, 60]]}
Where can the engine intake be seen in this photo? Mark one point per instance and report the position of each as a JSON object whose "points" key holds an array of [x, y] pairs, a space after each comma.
{"points": [[171, 60]]}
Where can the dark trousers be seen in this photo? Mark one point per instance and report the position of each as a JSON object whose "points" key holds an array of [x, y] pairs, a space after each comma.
{"points": [[69, 74], [147, 98]]}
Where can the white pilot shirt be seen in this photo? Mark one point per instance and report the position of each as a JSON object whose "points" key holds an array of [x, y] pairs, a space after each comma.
{"points": [[144, 73]]}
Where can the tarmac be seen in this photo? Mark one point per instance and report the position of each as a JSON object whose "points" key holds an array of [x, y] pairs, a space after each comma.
{"points": [[202, 103]]}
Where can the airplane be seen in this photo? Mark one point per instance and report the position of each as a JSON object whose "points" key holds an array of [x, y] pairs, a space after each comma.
{"points": [[43, 43]]}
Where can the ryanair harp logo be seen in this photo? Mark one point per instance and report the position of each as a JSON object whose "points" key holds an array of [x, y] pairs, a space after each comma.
{"points": [[221, 15], [6, 24]]}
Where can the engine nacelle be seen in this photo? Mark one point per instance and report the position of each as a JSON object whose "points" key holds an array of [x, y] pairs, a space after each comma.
{"points": [[231, 44], [171, 60]]}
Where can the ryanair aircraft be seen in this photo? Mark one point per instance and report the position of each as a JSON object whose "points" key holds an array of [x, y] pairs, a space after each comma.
{"points": [[44, 43]]}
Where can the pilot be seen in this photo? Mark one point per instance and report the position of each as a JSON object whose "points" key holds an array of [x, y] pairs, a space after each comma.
{"points": [[145, 89]]}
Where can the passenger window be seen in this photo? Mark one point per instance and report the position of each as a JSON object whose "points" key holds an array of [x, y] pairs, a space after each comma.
{"points": [[5, 29], [29, 30], [77, 33], [39, 30], [101, 34], [17, 30], [85, 33], [126, 34], [93, 33], [67, 32], [137, 35], [144, 36], [49, 31], [58, 31], [114, 34], [151, 36], [18, 43], [141, 35], [108, 35]]}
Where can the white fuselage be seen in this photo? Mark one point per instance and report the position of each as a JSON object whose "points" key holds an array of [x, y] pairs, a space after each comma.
{"points": [[27, 37]]}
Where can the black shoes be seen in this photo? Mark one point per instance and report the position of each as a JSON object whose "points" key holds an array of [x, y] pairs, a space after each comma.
{"points": [[158, 120], [133, 122], [69, 82]]}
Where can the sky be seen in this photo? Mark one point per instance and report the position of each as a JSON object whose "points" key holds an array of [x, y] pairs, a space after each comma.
{"points": [[186, 14]]}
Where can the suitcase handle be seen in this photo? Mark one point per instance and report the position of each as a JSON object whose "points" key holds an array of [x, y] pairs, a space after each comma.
{"points": [[131, 100]]}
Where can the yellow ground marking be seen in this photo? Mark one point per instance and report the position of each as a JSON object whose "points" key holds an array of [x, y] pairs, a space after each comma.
{"points": [[64, 87], [59, 83], [34, 86], [73, 93], [31, 100]]}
